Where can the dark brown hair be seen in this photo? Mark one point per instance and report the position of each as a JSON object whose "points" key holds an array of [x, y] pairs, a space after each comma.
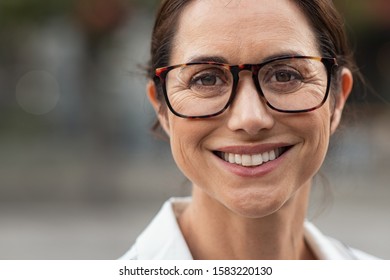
{"points": [[326, 22]]}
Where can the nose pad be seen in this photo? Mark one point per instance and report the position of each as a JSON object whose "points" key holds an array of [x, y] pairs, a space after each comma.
{"points": [[249, 111]]}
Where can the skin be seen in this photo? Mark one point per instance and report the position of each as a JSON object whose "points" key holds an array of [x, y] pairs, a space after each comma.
{"points": [[253, 217]]}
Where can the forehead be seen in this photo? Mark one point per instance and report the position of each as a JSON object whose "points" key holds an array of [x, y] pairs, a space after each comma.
{"points": [[242, 31]]}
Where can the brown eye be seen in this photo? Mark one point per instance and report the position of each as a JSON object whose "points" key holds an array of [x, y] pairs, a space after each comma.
{"points": [[285, 76], [207, 80], [282, 80]]}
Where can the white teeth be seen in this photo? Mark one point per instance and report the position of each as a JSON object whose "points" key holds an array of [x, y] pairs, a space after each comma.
{"points": [[238, 159], [252, 160], [272, 155], [257, 160], [265, 156], [246, 160], [232, 158]]}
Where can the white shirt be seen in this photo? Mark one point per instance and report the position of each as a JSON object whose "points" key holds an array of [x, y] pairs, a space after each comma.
{"points": [[163, 239]]}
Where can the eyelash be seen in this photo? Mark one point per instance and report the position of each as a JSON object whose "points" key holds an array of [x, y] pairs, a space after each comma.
{"points": [[197, 77]]}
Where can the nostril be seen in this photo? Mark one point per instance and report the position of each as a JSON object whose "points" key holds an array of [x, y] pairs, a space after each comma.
{"points": [[249, 111]]}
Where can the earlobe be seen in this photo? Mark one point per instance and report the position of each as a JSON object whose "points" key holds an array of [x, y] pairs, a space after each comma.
{"points": [[152, 95], [342, 96], [156, 104]]}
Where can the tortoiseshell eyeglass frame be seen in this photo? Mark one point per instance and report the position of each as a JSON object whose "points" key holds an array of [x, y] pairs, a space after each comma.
{"points": [[162, 72]]}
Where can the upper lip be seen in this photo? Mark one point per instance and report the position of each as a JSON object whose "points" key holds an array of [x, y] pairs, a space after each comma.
{"points": [[252, 149]]}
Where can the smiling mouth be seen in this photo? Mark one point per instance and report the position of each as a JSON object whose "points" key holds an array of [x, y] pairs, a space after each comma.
{"points": [[252, 160]]}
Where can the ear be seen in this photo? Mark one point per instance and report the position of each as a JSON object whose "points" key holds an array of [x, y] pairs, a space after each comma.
{"points": [[151, 92], [342, 96]]}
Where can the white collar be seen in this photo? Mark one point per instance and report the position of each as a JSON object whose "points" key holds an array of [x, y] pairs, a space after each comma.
{"points": [[163, 239]]}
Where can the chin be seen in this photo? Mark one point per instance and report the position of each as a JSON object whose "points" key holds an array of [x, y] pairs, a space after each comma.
{"points": [[255, 206]]}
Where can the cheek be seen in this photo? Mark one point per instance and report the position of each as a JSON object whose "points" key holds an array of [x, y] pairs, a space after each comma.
{"points": [[321, 127], [186, 138], [315, 130]]}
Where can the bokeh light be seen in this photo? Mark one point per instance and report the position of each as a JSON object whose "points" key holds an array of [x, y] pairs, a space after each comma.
{"points": [[37, 92]]}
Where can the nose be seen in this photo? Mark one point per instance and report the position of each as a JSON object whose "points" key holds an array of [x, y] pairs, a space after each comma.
{"points": [[248, 112]]}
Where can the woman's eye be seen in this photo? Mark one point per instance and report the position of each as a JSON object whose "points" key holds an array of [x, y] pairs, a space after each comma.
{"points": [[285, 76], [282, 80], [207, 80]]}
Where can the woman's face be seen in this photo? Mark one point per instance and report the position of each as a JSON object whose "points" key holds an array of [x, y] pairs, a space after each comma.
{"points": [[241, 32]]}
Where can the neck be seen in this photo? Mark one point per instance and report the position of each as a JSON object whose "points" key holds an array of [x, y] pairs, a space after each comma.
{"points": [[214, 232]]}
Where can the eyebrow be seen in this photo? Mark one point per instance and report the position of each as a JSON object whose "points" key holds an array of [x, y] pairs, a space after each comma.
{"points": [[282, 54], [221, 59], [217, 59]]}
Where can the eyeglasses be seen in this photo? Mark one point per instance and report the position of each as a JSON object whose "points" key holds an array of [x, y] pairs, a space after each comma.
{"points": [[292, 84]]}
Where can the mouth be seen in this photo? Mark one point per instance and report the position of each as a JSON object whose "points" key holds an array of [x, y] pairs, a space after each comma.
{"points": [[252, 160]]}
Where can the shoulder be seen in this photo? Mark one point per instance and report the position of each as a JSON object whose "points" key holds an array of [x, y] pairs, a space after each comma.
{"points": [[131, 254], [351, 252], [162, 238], [328, 248]]}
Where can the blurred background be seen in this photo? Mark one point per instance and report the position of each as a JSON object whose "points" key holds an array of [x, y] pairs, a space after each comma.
{"points": [[80, 173]]}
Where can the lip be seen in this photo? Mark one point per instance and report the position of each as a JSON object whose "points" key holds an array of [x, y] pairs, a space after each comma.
{"points": [[253, 171], [253, 149]]}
